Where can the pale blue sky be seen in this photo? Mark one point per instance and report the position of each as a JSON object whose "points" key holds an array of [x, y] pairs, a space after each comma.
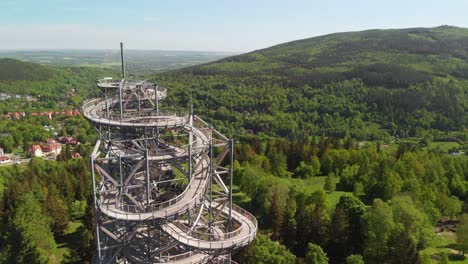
{"points": [[238, 25]]}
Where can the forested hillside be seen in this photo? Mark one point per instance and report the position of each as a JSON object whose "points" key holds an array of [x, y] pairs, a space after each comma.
{"points": [[340, 135], [350, 148], [50, 87], [374, 203], [14, 70], [369, 85], [45, 212], [39, 201]]}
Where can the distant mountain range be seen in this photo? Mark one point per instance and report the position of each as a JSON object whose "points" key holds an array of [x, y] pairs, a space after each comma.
{"points": [[137, 61]]}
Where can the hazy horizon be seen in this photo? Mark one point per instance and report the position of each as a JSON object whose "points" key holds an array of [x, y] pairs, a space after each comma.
{"points": [[111, 49], [206, 25], [117, 48]]}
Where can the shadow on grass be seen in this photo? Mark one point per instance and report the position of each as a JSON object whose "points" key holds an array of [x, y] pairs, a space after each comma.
{"points": [[68, 242], [456, 257], [71, 237]]}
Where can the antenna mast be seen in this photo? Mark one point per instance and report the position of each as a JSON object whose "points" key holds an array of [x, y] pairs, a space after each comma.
{"points": [[122, 59]]}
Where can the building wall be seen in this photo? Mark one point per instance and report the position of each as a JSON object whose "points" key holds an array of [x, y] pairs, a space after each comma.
{"points": [[38, 153]]}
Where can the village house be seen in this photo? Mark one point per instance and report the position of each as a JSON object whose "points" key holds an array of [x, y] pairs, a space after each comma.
{"points": [[35, 151], [68, 140], [52, 147], [18, 115], [15, 115], [4, 159]]}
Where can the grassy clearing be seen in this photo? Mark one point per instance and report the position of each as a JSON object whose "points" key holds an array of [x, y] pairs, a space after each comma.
{"points": [[18, 151], [445, 242], [314, 184], [67, 241], [443, 146], [307, 186], [389, 148], [239, 197]]}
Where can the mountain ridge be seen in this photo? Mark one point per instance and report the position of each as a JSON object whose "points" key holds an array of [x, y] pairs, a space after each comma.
{"points": [[334, 57], [370, 85], [16, 70]]}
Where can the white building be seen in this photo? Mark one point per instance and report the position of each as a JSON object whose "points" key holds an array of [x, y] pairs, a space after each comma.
{"points": [[35, 151]]}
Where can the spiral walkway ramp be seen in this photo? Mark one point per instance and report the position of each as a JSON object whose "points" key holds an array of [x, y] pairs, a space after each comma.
{"points": [[159, 182]]}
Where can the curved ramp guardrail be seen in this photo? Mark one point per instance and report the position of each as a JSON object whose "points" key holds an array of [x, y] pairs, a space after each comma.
{"points": [[118, 112]]}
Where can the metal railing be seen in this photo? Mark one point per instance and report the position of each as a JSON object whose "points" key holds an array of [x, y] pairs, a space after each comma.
{"points": [[232, 242], [111, 203], [92, 109], [132, 209], [186, 255]]}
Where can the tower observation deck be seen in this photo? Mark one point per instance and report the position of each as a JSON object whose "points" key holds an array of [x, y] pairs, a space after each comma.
{"points": [[159, 182]]}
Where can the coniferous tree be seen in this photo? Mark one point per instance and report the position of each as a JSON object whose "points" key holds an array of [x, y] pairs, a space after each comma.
{"points": [[315, 255]]}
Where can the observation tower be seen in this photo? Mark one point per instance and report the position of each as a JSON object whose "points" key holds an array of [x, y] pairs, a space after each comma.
{"points": [[159, 181]]}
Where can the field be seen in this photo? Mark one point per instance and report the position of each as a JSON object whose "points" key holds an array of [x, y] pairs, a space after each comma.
{"points": [[443, 146], [445, 243], [308, 186]]}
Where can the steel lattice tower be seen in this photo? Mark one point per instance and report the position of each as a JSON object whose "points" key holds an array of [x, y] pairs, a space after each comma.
{"points": [[158, 182]]}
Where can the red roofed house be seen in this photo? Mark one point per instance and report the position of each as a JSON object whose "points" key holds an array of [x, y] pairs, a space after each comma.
{"points": [[52, 147], [51, 141], [35, 151], [18, 115], [68, 140], [4, 159]]}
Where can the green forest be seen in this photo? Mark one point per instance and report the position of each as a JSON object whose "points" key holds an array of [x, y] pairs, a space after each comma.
{"points": [[53, 88], [350, 148], [379, 204], [370, 85]]}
